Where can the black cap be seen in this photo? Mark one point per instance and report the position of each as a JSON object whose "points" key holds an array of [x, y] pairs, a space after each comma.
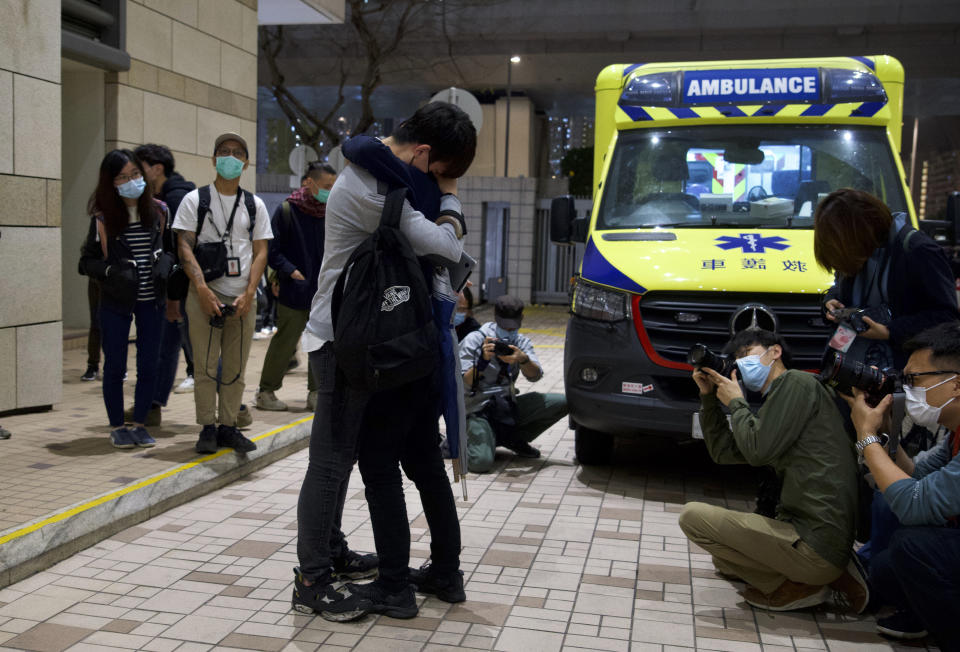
{"points": [[508, 312]]}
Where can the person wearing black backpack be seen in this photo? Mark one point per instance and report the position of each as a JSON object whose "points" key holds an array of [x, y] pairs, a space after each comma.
{"points": [[396, 201], [222, 232]]}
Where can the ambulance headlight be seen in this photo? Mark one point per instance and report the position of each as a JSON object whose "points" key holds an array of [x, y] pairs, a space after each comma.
{"points": [[651, 90], [594, 302], [853, 86]]}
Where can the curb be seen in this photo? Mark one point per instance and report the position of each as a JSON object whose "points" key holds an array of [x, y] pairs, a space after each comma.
{"points": [[39, 544]]}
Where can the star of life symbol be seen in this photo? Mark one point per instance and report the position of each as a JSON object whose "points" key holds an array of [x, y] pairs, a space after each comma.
{"points": [[393, 296], [752, 243]]}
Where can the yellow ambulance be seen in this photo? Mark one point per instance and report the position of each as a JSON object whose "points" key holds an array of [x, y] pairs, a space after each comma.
{"points": [[706, 176]]}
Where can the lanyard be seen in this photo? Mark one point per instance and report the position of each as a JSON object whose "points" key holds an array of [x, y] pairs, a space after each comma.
{"points": [[233, 213]]}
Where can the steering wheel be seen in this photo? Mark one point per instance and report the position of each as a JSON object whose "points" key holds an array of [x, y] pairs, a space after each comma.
{"points": [[757, 193]]}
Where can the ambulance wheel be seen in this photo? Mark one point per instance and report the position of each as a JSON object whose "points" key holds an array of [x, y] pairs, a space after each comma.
{"points": [[592, 446]]}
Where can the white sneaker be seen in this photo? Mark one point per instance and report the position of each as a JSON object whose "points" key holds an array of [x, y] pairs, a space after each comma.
{"points": [[267, 400], [185, 386], [260, 336]]}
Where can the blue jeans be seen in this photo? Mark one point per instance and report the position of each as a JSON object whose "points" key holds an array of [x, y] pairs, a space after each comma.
{"points": [[920, 572], [168, 361], [883, 523], [115, 331]]}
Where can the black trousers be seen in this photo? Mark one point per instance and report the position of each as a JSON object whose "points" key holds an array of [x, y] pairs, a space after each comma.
{"points": [[920, 572], [93, 335], [400, 428]]}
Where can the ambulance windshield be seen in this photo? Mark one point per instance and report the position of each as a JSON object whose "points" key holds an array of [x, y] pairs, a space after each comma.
{"points": [[757, 176]]}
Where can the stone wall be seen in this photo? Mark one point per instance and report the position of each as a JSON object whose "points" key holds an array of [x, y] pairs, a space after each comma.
{"points": [[193, 76], [30, 325]]}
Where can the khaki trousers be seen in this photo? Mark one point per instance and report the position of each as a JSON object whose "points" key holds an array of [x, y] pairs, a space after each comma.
{"points": [[761, 551], [231, 344]]}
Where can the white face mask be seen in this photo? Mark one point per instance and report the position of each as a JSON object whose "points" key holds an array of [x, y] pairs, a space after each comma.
{"points": [[922, 413]]}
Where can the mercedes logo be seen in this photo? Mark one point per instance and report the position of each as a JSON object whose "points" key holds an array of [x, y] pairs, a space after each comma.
{"points": [[753, 315]]}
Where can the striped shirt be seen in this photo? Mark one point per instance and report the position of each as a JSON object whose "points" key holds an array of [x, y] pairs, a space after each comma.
{"points": [[140, 241]]}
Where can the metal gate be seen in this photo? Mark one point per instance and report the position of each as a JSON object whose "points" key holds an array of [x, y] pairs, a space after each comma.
{"points": [[555, 265]]}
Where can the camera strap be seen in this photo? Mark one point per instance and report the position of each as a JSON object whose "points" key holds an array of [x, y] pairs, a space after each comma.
{"points": [[206, 362], [897, 412]]}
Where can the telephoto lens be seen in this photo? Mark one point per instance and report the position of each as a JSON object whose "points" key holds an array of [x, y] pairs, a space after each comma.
{"points": [[843, 374], [700, 356]]}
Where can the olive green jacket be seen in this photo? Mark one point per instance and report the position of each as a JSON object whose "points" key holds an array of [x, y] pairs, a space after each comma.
{"points": [[799, 432]]}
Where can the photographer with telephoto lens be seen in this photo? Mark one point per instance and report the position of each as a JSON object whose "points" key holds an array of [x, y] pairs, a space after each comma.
{"points": [[919, 572], [794, 560]]}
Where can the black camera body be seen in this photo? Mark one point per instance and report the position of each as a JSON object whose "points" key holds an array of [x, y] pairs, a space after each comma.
{"points": [[853, 317], [700, 357], [501, 348], [217, 321], [843, 374]]}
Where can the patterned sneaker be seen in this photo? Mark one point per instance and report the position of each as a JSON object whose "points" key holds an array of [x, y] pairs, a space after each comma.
{"points": [[851, 589], [355, 566], [92, 373], [121, 438], [324, 598], [448, 588], [207, 443], [141, 437], [787, 597], [402, 604], [231, 437]]}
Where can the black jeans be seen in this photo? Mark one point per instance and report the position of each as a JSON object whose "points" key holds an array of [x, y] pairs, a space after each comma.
{"points": [[93, 335], [333, 447], [920, 572], [401, 429]]}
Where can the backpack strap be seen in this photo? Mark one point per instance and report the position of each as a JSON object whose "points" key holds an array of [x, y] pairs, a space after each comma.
{"points": [[251, 211], [907, 237], [393, 207], [203, 207]]}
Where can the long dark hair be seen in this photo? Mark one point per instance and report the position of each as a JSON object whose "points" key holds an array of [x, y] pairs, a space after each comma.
{"points": [[106, 201]]}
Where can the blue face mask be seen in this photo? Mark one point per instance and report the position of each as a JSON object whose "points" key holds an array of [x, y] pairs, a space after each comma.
{"points": [[510, 337], [459, 318], [753, 372], [132, 189], [229, 167]]}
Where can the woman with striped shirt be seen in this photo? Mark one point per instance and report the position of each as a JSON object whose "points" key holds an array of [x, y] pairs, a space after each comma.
{"points": [[123, 250]]}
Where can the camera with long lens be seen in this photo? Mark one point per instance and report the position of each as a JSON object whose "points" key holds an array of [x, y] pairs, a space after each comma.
{"points": [[701, 357], [843, 374]]}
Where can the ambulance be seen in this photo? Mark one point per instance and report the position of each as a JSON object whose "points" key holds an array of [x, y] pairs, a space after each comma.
{"points": [[706, 177]]}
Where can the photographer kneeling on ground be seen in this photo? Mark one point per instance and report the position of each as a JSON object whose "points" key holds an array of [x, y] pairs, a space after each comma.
{"points": [[919, 572], [491, 359], [792, 561]]}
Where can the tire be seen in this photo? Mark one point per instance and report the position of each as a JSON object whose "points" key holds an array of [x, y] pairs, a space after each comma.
{"points": [[592, 446]]}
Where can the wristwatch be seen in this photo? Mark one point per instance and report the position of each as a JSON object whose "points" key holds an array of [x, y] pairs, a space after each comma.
{"points": [[881, 439]]}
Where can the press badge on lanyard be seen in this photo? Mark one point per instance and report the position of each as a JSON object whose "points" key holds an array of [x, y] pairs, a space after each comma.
{"points": [[843, 338], [233, 267]]}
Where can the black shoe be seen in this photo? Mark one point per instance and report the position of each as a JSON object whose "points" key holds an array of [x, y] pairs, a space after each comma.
{"points": [[523, 449], [231, 437], [402, 604], [354, 566], [902, 624], [92, 373], [323, 598], [448, 588], [207, 443]]}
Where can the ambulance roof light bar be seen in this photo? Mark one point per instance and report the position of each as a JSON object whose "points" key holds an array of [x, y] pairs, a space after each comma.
{"points": [[753, 86]]}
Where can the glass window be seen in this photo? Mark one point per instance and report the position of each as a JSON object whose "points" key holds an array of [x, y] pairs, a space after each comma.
{"points": [[756, 176]]}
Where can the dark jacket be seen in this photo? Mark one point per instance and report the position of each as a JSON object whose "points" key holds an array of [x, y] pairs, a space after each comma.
{"points": [[921, 289], [172, 193], [118, 288], [297, 245], [468, 326]]}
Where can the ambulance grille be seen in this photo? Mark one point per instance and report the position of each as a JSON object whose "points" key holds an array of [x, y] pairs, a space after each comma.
{"points": [[672, 335]]}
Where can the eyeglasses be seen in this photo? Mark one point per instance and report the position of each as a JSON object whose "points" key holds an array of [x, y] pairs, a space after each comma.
{"points": [[910, 380], [226, 151], [123, 178]]}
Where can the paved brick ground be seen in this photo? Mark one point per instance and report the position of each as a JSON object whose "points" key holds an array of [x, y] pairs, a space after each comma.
{"points": [[556, 556]]}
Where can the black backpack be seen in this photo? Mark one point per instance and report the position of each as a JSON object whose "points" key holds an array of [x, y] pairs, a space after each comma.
{"points": [[384, 335]]}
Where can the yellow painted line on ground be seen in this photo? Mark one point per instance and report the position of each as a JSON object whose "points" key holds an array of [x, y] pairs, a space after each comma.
{"points": [[549, 346], [67, 513], [554, 332]]}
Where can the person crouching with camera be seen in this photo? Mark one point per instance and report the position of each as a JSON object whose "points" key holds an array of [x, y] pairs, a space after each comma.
{"points": [[919, 571], [791, 561], [491, 359]]}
